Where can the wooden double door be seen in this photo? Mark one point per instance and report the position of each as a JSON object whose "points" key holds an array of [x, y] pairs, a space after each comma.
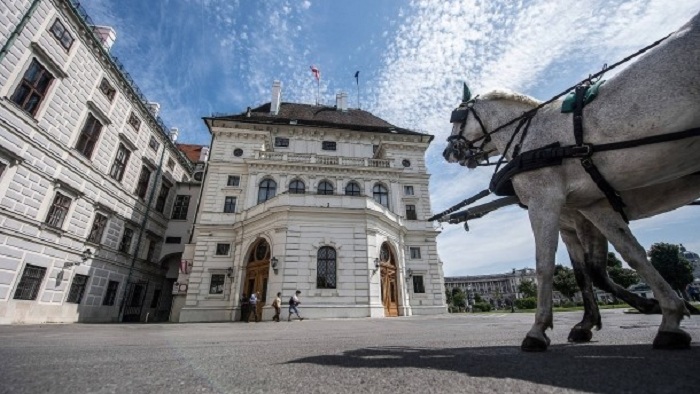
{"points": [[256, 276], [390, 291]]}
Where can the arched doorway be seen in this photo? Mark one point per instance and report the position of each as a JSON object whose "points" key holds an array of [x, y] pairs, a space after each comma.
{"points": [[388, 280], [256, 275]]}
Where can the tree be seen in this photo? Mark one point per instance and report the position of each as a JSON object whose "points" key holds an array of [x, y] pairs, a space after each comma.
{"points": [[459, 300], [528, 288], [448, 296], [673, 267], [624, 277], [565, 281]]}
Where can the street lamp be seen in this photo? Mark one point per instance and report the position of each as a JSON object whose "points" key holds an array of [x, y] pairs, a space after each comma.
{"points": [[229, 272], [274, 262], [87, 253]]}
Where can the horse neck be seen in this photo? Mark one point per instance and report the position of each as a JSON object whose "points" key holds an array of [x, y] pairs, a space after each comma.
{"points": [[500, 112]]}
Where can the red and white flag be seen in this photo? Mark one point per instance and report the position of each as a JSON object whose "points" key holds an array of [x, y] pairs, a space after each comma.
{"points": [[316, 72]]}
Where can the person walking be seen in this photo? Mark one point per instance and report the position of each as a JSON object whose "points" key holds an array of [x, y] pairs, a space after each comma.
{"points": [[253, 305], [293, 304], [277, 304]]}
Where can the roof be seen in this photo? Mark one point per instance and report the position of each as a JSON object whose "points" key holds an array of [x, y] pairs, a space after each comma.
{"points": [[191, 151], [321, 116]]}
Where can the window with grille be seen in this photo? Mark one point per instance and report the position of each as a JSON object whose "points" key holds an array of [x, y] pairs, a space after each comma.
{"points": [[173, 240], [328, 145], [223, 249], [134, 121], [325, 268], [62, 34], [325, 188], [58, 211], [352, 189], [380, 194], [418, 286], [162, 196], [142, 185], [281, 142], [107, 89], [154, 144], [411, 212], [29, 284], [233, 180], [98, 227], [230, 204], [89, 135], [267, 190], [151, 252], [125, 244], [408, 190], [77, 289], [180, 207], [111, 294], [31, 91], [217, 284], [171, 163], [120, 162], [415, 252], [156, 298], [297, 187]]}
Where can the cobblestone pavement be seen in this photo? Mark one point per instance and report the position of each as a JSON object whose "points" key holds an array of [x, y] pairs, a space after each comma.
{"points": [[477, 353]]}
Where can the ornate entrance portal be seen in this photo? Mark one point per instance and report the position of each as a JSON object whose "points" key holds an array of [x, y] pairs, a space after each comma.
{"points": [[256, 275], [388, 280]]}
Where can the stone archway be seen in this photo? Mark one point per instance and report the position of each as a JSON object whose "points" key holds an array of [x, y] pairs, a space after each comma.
{"points": [[388, 280], [256, 275]]}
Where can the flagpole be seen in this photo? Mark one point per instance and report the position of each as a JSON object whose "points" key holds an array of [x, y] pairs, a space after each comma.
{"points": [[318, 89], [357, 79]]}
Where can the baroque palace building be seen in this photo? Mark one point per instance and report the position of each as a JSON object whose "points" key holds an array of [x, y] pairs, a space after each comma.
{"points": [[330, 201], [89, 176]]}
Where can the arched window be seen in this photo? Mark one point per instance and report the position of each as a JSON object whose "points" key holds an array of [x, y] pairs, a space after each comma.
{"points": [[352, 189], [297, 187], [380, 194], [325, 187], [325, 269], [267, 190]]}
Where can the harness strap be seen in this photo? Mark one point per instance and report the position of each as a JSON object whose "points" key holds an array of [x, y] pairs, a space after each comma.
{"points": [[580, 94], [610, 193]]}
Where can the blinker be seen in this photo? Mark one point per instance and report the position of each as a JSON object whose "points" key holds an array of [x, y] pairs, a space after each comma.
{"points": [[459, 115]]}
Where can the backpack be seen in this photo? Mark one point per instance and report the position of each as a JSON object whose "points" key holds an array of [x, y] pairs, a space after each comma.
{"points": [[291, 301]]}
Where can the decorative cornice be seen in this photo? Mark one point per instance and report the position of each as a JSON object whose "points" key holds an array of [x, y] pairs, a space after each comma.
{"points": [[48, 60]]}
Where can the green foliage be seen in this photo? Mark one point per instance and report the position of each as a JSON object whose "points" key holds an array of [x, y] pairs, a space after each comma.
{"points": [[526, 303], [673, 267], [565, 281], [477, 298], [459, 299], [528, 288], [448, 297], [482, 307], [624, 277], [613, 261]]}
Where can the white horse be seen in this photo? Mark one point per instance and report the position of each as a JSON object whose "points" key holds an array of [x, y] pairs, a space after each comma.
{"points": [[657, 95]]}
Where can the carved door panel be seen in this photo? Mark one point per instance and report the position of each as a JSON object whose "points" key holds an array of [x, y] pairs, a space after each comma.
{"points": [[389, 291]]}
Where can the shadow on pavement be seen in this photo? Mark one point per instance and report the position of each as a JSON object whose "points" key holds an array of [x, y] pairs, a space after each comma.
{"points": [[591, 368]]}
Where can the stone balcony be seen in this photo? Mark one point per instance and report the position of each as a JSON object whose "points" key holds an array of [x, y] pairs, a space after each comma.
{"points": [[312, 158]]}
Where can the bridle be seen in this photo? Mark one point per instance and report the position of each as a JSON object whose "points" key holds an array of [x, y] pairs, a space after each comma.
{"points": [[460, 142]]}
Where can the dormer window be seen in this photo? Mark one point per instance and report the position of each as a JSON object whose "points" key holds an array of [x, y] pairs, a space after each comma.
{"points": [[328, 145], [61, 34]]}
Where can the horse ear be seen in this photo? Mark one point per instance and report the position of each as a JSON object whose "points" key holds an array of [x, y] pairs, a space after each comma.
{"points": [[466, 95]]}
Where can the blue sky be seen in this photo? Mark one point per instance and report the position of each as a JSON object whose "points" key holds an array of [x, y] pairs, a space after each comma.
{"points": [[198, 57]]}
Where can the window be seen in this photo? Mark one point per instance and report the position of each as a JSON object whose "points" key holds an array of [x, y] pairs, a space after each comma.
{"points": [[98, 227], [415, 252], [3, 166], [238, 152], [380, 194], [173, 240], [162, 196], [325, 188], [171, 163], [182, 204], [154, 144], [233, 180], [58, 211], [281, 142], [156, 298], [125, 244], [62, 35], [134, 121], [418, 286], [411, 212], [142, 185], [120, 161], [222, 249], [217, 284], [297, 187], [352, 189], [408, 190], [325, 269], [406, 163], [107, 89], [28, 287], [111, 293], [32, 89], [88, 136], [328, 145], [230, 204], [151, 252], [77, 289], [267, 190]]}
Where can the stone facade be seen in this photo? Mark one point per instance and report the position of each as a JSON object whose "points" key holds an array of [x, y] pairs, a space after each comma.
{"points": [[329, 201], [78, 144], [496, 289]]}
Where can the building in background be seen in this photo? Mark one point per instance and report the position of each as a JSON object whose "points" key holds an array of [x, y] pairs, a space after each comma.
{"points": [[86, 165], [330, 201], [496, 289]]}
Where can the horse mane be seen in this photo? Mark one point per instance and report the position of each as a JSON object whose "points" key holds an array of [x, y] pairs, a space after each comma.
{"points": [[505, 94]]}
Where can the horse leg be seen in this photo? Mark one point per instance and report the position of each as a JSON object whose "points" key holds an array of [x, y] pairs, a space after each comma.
{"points": [[670, 335]]}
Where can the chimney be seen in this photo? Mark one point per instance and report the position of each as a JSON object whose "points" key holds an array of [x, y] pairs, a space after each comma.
{"points": [[247, 113], [341, 101], [204, 154], [154, 108], [174, 133], [106, 35], [276, 94]]}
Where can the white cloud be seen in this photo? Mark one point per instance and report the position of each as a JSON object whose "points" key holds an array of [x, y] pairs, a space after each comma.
{"points": [[306, 4]]}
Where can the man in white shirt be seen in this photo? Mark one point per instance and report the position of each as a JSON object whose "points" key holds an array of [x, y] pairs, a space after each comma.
{"points": [[253, 305], [293, 303]]}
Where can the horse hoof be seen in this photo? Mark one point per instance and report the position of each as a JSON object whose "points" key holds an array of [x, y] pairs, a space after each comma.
{"points": [[531, 344], [580, 335], [671, 340]]}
